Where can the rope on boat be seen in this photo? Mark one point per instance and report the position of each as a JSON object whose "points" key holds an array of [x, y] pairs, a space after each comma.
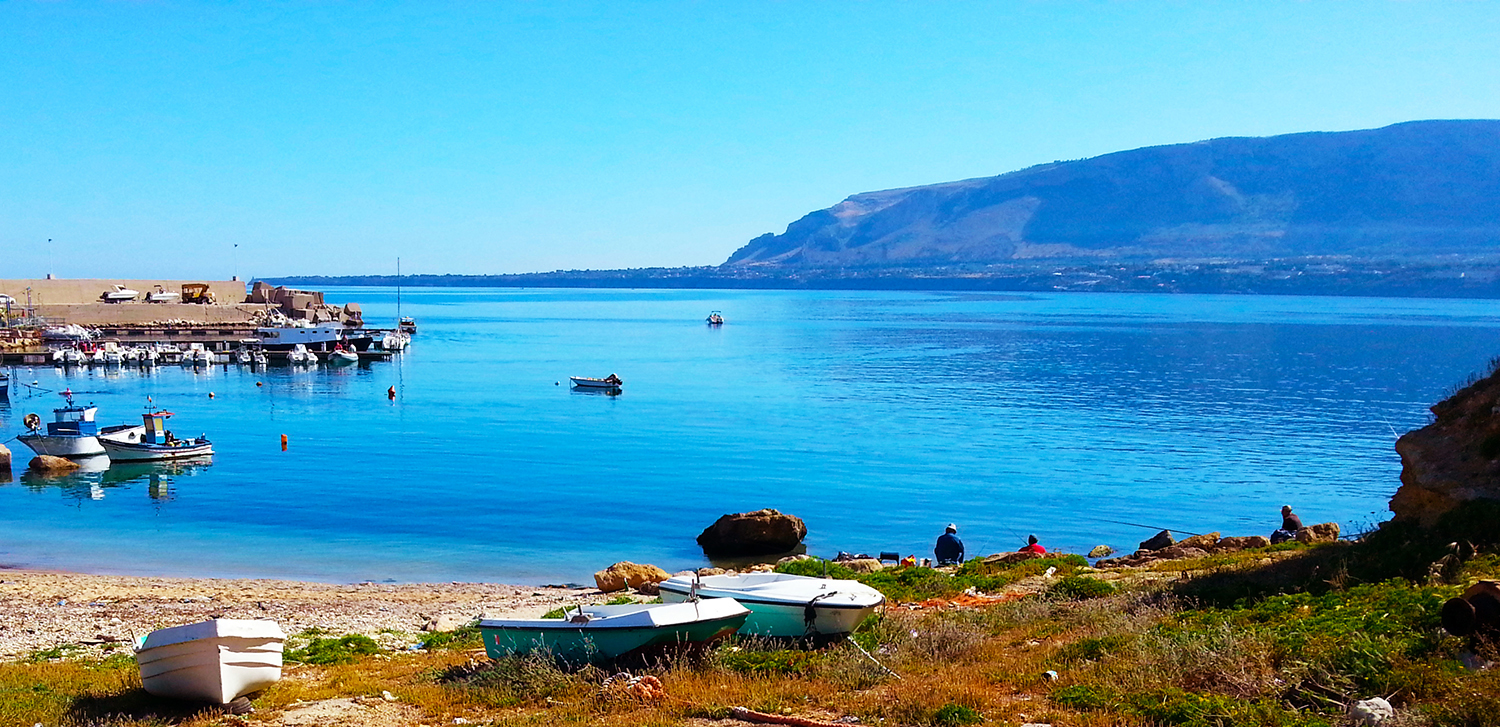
{"points": [[883, 667]]}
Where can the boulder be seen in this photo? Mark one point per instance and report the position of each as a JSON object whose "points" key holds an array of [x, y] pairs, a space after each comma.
{"points": [[764, 568], [625, 574], [47, 464], [711, 571], [762, 532], [1320, 533], [1158, 541], [862, 565], [1178, 551], [649, 588], [1205, 541], [1010, 558], [1101, 551], [1372, 712], [1232, 544]]}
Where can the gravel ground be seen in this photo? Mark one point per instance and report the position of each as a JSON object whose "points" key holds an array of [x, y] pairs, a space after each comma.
{"points": [[92, 615]]}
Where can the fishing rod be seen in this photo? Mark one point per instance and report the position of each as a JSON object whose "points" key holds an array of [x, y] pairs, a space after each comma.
{"points": [[1138, 525]]}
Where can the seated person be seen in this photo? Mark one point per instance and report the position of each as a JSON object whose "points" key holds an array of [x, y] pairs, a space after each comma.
{"points": [[949, 549], [1290, 524], [1032, 546]]}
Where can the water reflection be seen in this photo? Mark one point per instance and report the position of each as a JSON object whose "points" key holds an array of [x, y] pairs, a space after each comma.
{"points": [[96, 478]]}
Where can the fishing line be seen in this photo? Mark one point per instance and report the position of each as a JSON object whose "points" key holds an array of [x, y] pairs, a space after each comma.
{"points": [[1137, 525]]}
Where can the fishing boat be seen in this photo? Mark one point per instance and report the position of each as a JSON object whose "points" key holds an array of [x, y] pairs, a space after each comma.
{"points": [[299, 355], [151, 441], [782, 604], [407, 325], [609, 382], [715, 319], [214, 661], [72, 432], [603, 633]]}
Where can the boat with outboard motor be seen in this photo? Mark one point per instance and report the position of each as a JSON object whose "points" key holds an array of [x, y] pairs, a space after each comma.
{"points": [[151, 440], [609, 382], [72, 432], [603, 633], [783, 604]]}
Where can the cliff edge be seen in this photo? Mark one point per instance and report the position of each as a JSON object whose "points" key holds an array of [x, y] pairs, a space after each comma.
{"points": [[1454, 460]]}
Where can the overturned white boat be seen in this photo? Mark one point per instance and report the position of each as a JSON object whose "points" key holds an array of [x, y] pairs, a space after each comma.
{"points": [[214, 661], [782, 604]]}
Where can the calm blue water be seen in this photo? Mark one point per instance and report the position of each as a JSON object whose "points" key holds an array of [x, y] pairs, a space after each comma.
{"points": [[878, 417]]}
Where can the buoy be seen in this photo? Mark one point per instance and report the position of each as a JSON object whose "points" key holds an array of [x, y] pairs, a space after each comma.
{"points": [[391, 393], [283, 442], [210, 394], [259, 384]]}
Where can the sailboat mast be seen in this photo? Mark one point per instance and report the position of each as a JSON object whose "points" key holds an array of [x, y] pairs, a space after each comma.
{"points": [[398, 292]]}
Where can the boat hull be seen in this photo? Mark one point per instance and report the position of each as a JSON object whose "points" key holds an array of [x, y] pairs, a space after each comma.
{"points": [[58, 445], [586, 383], [225, 663], [788, 619], [135, 452], [588, 643], [782, 608]]}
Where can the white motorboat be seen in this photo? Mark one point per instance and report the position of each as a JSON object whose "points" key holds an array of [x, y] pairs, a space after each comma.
{"points": [[146, 355], [197, 355], [783, 604], [69, 357], [395, 341], [162, 295], [151, 441], [609, 382], [118, 294], [242, 357], [602, 633], [111, 353], [214, 661], [300, 356], [340, 356], [72, 433]]}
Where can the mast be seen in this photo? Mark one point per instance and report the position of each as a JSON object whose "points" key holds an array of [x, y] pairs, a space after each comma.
{"points": [[398, 292]]}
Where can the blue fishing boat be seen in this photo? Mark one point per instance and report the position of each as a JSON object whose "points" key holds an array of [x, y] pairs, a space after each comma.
{"points": [[71, 433]]}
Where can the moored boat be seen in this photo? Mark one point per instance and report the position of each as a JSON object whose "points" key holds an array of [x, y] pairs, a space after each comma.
{"points": [[4, 384], [214, 661], [299, 355], [340, 356], [407, 325], [715, 319], [609, 382], [783, 604], [151, 441], [602, 633], [72, 432], [197, 355]]}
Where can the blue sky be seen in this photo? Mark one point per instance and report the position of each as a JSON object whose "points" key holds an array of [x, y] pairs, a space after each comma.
{"points": [[150, 138]]}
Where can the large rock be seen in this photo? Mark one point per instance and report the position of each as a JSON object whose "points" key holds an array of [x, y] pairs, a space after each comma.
{"points": [[1320, 533], [1234, 543], [763, 532], [625, 574], [49, 465], [1453, 460], [1372, 712], [1206, 541], [862, 565], [1158, 541], [4, 457], [1010, 558], [1101, 551]]}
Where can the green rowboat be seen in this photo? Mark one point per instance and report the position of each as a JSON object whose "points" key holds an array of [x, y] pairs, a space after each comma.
{"points": [[604, 633]]}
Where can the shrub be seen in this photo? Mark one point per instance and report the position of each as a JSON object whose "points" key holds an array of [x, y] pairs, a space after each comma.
{"points": [[465, 637], [955, 715], [780, 661], [1083, 697], [343, 650], [1093, 649], [1081, 588]]}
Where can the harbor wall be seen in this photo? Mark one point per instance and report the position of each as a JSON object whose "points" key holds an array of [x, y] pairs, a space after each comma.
{"points": [[85, 291]]}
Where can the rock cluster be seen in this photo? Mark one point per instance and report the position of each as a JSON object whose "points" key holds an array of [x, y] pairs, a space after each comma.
{"points": [[625, 574], [1453, 460], [763, 532], [1199, 546], [47, 464]]}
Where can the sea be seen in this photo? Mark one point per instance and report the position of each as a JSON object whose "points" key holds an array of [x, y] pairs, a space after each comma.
{"points": [[876, 417]]}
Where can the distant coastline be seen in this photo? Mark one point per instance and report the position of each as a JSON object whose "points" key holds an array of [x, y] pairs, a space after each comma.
{"points": [[1442, 277]]}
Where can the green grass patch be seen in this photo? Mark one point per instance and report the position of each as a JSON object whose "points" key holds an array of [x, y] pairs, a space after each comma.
{"points": [[908, 585], [956, 715], [464, 637], [327, 651], [783, 662], [1081, 588]]}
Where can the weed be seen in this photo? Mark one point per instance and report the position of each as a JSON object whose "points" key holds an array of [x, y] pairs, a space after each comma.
{"points": [[343, 650], [955, 715], [465, 637], [621, 601], [1081, 588]]}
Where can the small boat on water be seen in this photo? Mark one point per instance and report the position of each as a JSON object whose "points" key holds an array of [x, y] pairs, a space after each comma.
{"points": [[214, 661], [340, 356], [602, 633], [407, 325], [72, 432], [151, 441], [395, 341], [197, 355], [783, 604], [4, 384], [715, 319], [300, 356], [609, 382], [69, 357]]}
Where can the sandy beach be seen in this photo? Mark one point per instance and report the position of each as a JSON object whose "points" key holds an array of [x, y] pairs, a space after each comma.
{"points": [[45, 609]]}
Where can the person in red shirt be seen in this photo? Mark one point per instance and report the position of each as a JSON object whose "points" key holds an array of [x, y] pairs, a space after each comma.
{"points": [[1032, 546]]}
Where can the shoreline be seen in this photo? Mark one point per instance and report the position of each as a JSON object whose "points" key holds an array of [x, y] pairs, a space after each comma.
{"points": [[47, 609]]}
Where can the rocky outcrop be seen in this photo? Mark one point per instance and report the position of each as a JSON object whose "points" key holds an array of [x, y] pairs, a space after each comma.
{"points": [[48, 465], [1207, 541], [763, 532], [1158, 541], [1101, 551], [1234, 543], [1320, 533], [1453, 460], [625, 574], [1010, 558], [862, 565]]}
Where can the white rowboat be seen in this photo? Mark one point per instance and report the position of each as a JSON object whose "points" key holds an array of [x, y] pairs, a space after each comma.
{"points": [[214, 661]]}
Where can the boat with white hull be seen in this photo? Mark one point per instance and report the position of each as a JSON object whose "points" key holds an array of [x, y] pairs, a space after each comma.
{"points": [[602, 633], [609, 382], [782, 604], [72, 432], [214, 661], [151, 441]]}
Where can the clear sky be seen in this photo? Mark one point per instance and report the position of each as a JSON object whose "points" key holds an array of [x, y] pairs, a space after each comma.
{"points": [[151, 138]]}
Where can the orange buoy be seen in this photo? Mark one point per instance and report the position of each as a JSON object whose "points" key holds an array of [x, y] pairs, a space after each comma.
{"points": [[283, 442], [210, 394], [391, 393], [259, 384]]}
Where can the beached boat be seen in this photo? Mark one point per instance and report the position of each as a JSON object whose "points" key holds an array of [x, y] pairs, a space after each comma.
{"points": [[118, 294], [72, 432], [783, 604], [214, 661], [609, 382], [602, 633], [715, 319], [150, 441]]}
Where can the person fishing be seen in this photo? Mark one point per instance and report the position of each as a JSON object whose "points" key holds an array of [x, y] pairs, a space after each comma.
{"points": [[1290, 524], [1032, 546], [949, 549]]}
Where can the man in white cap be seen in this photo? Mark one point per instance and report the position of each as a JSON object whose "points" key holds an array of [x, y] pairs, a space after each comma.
{"points": [[949, 549]]}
